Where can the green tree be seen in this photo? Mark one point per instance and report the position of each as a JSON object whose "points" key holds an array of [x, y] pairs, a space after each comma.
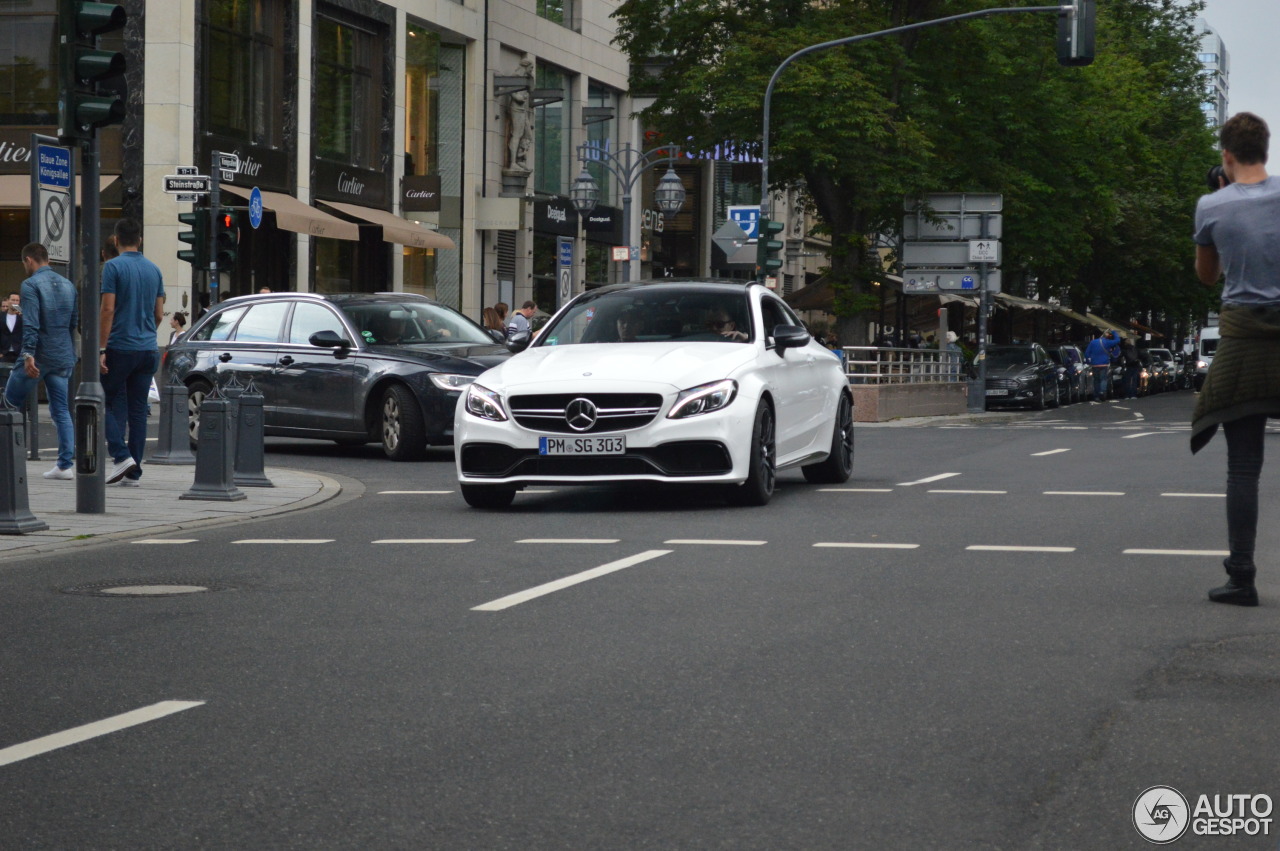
{"points": [[1097, 165]]}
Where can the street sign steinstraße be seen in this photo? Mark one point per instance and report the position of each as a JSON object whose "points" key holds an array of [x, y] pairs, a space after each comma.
{"points": [[186, 184]]}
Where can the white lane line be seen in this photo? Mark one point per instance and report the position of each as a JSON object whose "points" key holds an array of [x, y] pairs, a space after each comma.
{"points": [[568, 540], [1002, 549], [1140, 434], [1050, 452], [1198, 495], [940, 490], [1084, 493], [166, 541], [864, 546], [1071, 428], [560, 584], [425, 541], [284, 541], [936, 478], [1214, 553], [412, 492], [54, 741], [855, 490], [715, 542]]}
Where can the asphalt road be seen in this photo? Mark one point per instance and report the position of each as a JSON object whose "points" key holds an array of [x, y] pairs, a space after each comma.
{"points": [[960, 648]]}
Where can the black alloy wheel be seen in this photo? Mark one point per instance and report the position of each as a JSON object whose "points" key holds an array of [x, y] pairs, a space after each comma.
{"points": [[837, 467], [762, 475]]}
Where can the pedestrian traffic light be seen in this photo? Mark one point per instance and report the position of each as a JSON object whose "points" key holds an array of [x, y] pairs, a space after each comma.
{"points": [[90, 77], [1075, 32], [226, 238], [198, 237], [768, 260]]}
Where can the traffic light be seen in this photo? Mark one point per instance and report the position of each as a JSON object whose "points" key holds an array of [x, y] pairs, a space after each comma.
{"points": [[1075, 33], [768, 248], [198, 237], [86, 103], [227, 238]]}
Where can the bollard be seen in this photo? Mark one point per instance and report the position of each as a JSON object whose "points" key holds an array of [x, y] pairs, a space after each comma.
{"points": [[215, 453], [250, 452], [15, 513], [174, 444]]}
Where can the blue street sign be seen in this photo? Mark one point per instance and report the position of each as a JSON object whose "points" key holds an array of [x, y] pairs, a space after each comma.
{"points": [[54, 166], [747, 218], [566, 252], [255, 207], [966, 283]]}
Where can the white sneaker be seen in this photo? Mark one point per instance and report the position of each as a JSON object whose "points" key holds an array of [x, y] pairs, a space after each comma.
{"points": [[119, 469], [130, 483], [60, 473]]}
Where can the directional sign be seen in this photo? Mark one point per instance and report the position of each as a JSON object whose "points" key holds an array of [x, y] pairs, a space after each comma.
{"points": [[933, 281], [53, 167], [187, 169], [984, 251], [959, 202], [951, 226], [187, 199], [935, 254], [229, 162], [730, 237], [181, 184]]}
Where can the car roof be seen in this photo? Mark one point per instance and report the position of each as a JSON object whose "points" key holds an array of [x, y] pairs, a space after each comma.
{"points": [[335, 298], [727, 284]]}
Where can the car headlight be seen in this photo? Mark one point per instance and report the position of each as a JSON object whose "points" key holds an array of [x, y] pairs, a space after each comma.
{"points": [[485, 404], [1202, 364], [703, 399], [446, 381]]}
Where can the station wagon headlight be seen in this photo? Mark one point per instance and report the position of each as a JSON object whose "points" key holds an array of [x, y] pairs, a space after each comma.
{"points": [[703, 399], [485, 404], [446, 381]]}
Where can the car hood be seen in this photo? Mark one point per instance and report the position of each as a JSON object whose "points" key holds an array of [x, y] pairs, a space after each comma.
{"points": [[674, 365], [464, 358], [1020, 371]]}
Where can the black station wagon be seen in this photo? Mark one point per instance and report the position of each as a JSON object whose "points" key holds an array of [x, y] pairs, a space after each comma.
{"points": [[352, 368]]}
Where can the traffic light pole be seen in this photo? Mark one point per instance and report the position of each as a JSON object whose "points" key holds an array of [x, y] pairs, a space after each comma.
{"points": [[766, 206], [90, 418], [215, 209]]}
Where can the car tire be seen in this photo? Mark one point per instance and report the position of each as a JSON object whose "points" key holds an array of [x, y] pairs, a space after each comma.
{"points": [[488, 496], [838, 465], [403, 429], [1040, 403], [762, 473], [197, 389]]}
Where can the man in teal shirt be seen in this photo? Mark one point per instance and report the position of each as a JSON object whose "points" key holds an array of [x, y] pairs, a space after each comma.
{"points": [[132, 307]]}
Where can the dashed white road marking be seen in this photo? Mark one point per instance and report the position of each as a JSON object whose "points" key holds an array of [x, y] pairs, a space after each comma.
{"points": [[855, 490], [941, 490], [1140, 434], [568, 541], [866, 546], [83, 733], [715, 542], [1049, 452], [995, 548], [401, 493], [1214, 553], [284, 541], [1198, 495], [424, 541], [1071, 428], [166, 541], [568, 581], [936, 478], [1084, 493]]}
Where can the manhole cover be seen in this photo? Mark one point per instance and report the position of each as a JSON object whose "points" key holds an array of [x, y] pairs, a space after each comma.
{"points": [[144, 588]]}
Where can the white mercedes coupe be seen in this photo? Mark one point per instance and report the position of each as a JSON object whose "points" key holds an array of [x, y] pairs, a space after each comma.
{"points": [[685, 382]]}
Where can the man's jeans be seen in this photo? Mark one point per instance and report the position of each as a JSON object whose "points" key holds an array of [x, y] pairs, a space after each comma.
{"points": [[126, 384], [55, 381], [1100, 383]]}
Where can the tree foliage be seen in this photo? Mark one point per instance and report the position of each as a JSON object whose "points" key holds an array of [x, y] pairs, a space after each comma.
{"points": [[1099, 166]]}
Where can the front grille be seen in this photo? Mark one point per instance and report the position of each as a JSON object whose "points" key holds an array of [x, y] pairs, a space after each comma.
{"points": [[683, 458], [615, 411], [1002, 384]]}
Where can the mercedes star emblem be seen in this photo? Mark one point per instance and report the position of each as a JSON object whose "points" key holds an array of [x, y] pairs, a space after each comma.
{"points": [[580, 414]]}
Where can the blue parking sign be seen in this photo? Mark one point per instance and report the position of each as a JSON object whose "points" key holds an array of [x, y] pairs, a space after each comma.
{"points": [[747, 218]]}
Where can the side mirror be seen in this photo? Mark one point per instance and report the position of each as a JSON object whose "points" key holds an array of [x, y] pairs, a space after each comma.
{"points": [[790, 337], [519, 342], [498, 336], [331, 340]]}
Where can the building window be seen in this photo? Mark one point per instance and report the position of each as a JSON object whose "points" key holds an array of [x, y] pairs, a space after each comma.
{"points": [[551, 134], [244, 70], [29, 68], [349, 91], [602, 135], [560, 11]]}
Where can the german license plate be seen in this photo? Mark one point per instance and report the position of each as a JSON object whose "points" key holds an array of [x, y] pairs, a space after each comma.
{"points": [[997, 392], [582, 445]]}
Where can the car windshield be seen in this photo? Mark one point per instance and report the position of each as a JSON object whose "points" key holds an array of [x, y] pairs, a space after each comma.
{"points": [[406, 323], [1005, 358], [643, 315], [1208, 346]]}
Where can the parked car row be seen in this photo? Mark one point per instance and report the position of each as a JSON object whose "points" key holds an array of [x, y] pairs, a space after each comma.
{"points": [[1034, 376]]}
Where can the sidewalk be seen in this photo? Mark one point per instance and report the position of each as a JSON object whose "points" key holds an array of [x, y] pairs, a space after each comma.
{"points": [[153, 508]]}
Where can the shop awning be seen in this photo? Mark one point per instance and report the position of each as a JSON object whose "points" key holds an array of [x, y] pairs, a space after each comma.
{"points": [[15, 189], [1024, 303], [294, 215], [395, 229]]}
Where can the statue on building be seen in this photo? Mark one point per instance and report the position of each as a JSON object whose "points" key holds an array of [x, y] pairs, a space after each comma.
{"points": [[520, 122]]}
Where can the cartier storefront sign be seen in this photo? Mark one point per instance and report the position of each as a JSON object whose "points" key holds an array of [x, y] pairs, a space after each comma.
{"points": [[420, 193], [339, 182]]}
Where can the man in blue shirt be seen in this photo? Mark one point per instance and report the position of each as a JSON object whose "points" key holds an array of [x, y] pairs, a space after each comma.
{"points": [[131, 309], [48, 349], [1098, 355]]}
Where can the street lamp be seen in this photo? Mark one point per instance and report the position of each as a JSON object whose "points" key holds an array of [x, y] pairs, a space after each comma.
{"points": [[627, 164]]}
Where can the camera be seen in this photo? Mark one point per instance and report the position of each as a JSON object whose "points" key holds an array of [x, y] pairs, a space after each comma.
{"points": [[1216, 178]]}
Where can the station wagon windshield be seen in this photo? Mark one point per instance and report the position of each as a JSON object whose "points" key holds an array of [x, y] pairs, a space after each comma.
{"points": [[407, 323], [642, 315]]}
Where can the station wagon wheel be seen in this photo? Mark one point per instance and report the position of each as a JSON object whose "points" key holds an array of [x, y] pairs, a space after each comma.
{"points": [[762, 471], [404, 433], [196, 391], [837, 467]]}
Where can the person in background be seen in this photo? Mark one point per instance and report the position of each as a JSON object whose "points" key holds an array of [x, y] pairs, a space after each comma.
{"points": [[11, 329], [1101, 349], [491, 320], [519, 323], [177, 325], [501, 309], [1237, 235], [109, 250], [1132, 369]]}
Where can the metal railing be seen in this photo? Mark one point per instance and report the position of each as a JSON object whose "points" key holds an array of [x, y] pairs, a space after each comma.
{"points": [[876, 365]]}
